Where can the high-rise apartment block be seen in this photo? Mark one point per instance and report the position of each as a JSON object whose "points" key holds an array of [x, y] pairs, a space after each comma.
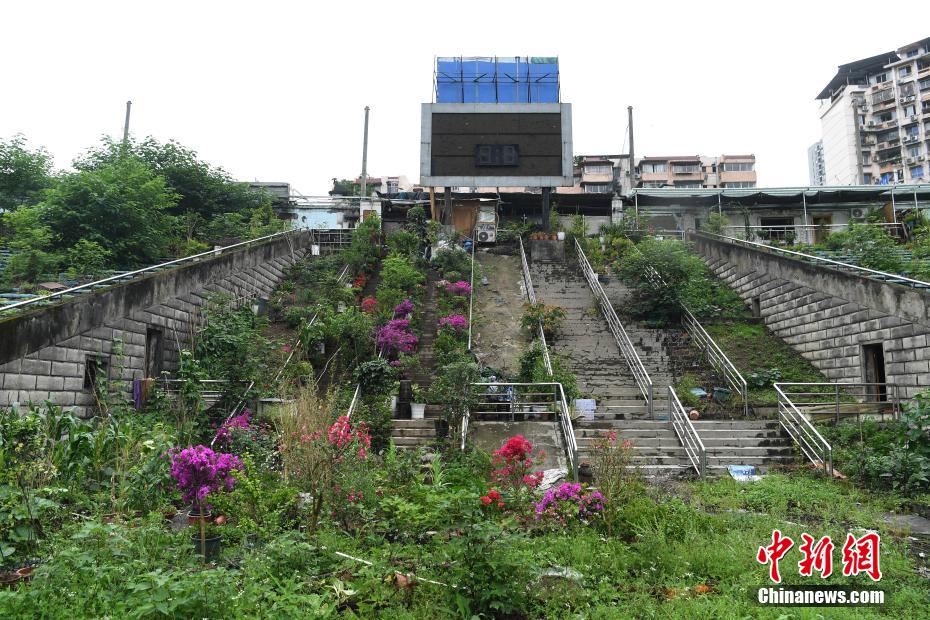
{"points": [[815, 165], [875, 117]]}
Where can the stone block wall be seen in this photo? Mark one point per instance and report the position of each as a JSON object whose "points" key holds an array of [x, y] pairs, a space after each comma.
{"points": [[828, 315], [45, 359]]}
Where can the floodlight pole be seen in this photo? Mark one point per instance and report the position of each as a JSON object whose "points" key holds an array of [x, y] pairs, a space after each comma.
{"points": [[365, 157], [126, 124], [629, 110]]}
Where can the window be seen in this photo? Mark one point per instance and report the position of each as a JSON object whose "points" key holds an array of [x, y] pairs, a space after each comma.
{"points": [[739, 184], [907, 89], [888, 136], [688, 184], [776, 227], [884, 117], [914, 151], [95, 372], [865, 158], [883, 96], [497, 155], [881, 77], [912, 53], [924, 84], [910, 110], [737, 167], [917, 172], [904, 71], [866, 179], [913, 130], [597, 188], [654, 167], [598, 169], [653, 184], [686, 168]]}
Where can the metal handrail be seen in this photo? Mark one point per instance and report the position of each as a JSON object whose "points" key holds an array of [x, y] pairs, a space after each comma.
{"points": [[716, 356], [531, 298], [132, 274], [564, 413], [616, 327], [799, 428], [679, 422], [883, 276], [835, 395]]}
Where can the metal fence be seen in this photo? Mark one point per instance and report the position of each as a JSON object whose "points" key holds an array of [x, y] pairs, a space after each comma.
{"points": [[811, 443], [616, 328], [679, 422], [837, 401], [716, 357], [802, 233], [820, 261], [526, 401]]}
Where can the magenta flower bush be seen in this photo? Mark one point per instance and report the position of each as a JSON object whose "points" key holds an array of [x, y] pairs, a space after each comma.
{"points": [[570, 501], [459, 289], [395, 338], [239, 422], [403, 308], [200, 472], [455, 322]]}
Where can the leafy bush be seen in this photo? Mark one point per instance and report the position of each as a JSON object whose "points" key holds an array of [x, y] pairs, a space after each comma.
{"points": [[716, 223], [406, 244], [870, 246]]}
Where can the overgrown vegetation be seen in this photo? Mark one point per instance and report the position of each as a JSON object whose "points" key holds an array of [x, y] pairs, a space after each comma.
{"points": [[125, 205]]}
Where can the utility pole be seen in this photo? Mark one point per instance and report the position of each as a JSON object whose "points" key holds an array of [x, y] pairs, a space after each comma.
{"points": [[629, 110], [126, 124], [365, 157]]}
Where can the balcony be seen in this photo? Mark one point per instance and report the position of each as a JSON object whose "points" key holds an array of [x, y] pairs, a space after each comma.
{"points": [[679, 169]]}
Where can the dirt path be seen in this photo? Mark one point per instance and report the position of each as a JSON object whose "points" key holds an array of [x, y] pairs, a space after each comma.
{"points": [[499, 339]]}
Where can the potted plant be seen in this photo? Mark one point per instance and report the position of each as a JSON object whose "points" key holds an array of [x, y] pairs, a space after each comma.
{"points": [[209, 541], [418, 405], [200, 472]]}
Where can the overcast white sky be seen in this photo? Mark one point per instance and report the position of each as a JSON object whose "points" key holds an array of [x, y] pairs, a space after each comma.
{"points": [[275, 91]]}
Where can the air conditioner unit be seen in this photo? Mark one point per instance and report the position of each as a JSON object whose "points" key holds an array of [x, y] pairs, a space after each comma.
{"points": [[920, 158], [858, 213], [909, 160], [915, 117], [871, 123], [487, 233]]}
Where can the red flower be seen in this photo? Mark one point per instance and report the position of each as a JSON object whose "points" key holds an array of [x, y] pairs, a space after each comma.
{"points": [[500, 504], [493, 494], [485, 500]]}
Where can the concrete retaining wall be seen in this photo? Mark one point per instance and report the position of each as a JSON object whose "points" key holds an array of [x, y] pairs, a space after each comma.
{"points": [[44, 353], [828, 315]]}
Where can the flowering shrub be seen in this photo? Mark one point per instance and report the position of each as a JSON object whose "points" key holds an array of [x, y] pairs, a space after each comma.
{"points": [[454, 322], [613, 476], [513, 464], [326, 458], [199, 471], [569, 502], [360, 281], [239, 422], [460, 288], [369, 305], [396, 337], [403, 308], [493, 497]]}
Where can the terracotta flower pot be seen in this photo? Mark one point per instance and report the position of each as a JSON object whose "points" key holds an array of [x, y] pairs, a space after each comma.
{"points": [[9, 579], [25, 573]]}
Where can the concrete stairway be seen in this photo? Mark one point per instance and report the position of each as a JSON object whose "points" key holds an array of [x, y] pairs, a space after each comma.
{"points": [[658, 452], [586, 343], [411, 434]]}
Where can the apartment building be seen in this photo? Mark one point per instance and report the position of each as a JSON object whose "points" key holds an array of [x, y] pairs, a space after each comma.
{"points": [[815, 165], [600, 174], [875, 118], [695, 171]]}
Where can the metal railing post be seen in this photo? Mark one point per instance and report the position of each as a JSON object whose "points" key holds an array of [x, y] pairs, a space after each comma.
{"points": [[836, 418]]}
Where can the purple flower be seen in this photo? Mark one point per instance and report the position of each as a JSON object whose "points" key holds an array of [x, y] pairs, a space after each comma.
{"points": [[403, 308], [456, 322], [460, 288], [240, 421], [570, 497], [395, 338], [199, 471]]}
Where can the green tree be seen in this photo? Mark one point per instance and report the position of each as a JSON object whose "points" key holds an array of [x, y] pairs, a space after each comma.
{"points": [[31, 242], [24, 173], [204, 191], [122, 206]]}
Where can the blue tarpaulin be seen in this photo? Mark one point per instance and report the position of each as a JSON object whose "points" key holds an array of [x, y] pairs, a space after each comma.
{"points": [[520, 79]]}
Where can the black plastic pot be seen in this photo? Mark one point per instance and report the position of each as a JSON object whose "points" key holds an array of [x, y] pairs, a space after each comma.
{"points": [[212, 546], [442, 429]]}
